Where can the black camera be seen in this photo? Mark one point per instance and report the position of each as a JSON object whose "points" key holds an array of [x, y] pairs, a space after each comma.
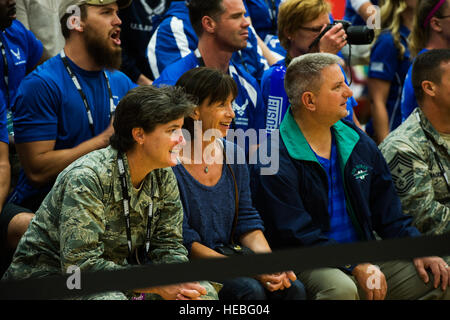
{"points": [[355, 34]]}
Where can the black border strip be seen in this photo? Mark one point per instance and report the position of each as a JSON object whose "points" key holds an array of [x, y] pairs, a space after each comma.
{"points": [[54, 287]]}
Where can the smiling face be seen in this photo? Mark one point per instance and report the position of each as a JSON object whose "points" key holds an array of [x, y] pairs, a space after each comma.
{"points": [[162, 145], [216, 116], [7, 13], [232, 26], [102, 35]]}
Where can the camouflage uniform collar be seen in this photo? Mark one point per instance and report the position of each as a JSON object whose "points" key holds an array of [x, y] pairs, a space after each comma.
{"points": [[428, 127], [138, 201]]}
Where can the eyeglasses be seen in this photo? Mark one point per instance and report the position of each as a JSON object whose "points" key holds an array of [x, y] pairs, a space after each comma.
{"points": [[312, 29], [443, 17]]}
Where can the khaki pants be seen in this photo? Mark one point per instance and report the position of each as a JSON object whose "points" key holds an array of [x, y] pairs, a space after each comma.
{"points": [[403, 283]]}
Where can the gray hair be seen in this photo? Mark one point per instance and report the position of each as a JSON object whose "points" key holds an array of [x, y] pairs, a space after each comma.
{"points": [[304, 74]]}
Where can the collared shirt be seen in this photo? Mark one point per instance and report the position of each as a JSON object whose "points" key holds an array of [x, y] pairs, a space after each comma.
{"points": [[341, 228], [418, 179]]}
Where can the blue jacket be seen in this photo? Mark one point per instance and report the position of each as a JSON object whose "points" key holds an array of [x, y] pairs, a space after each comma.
{"points": [[294, 202], [175, 38]]}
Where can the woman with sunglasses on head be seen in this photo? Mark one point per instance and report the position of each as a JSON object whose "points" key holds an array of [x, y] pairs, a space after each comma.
{"points": [[214, 187]]}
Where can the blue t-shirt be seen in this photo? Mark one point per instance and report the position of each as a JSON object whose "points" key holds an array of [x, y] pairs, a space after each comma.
{"points": [[385, 65], [248, 106], [275, 97], [341, 227], [409, 102], [209, 211], [175, 38], [264, 15], [23, 52], [49, 107], [139, 21]]}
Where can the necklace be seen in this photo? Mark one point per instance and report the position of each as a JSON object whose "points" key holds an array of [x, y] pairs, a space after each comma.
{"points": [[206, 169]]}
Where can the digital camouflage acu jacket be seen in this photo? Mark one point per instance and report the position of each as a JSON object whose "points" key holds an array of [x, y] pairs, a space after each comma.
{"points": [[81, 221], [418, 179]]}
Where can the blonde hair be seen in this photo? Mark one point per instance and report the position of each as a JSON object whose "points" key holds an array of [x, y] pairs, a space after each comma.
{"points": [[420, 34], [292, 14], [391, 21]]}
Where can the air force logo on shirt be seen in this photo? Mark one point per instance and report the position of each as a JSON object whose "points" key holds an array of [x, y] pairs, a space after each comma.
{"points": [[240, 111], [17, 57]]}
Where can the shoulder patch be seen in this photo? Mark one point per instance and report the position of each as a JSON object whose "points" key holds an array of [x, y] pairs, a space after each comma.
{"points": [[402, 173]]}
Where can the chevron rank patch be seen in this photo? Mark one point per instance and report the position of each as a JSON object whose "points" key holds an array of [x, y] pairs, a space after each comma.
{"points": [[402, 173]]}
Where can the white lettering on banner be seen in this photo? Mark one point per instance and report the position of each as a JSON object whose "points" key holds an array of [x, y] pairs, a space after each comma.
{"points": [[274, 105]]}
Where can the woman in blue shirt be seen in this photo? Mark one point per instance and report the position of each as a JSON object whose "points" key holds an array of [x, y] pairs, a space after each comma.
{"points": [[213, 181], [389, 63]]}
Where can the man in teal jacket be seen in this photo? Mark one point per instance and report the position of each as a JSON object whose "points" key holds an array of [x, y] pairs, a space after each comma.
{"points": [[333, 186]]}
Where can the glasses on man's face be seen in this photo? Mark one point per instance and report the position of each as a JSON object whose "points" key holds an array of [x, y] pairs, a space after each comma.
{"points": [[312, 29], [443, 17]]}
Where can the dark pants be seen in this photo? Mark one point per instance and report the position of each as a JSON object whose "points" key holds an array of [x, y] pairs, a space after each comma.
{"points": [[251, 289]]}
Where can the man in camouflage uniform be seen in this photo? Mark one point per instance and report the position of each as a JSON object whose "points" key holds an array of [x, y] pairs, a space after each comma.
{"points": [[418, 152], [81, 222]]}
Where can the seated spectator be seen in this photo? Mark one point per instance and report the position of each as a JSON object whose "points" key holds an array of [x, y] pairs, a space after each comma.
{"points": [[334, 186], [389, 63], [215, 192], [176, 38], [82, 222], [64, 108], [264, 20], [418, 152], [429, 31], [139, 22], [220, 35], [21, 52], [299, 24], [42, 18]]}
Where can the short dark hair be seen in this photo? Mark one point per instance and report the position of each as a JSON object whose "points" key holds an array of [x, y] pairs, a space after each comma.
{"points": [[201, 8], [64, 27], [206, 84], [146, 107], [427, 67]]}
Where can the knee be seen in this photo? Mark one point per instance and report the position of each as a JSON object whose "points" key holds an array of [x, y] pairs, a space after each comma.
{"points": [[242, 289], [296, 291], [345, 289], [17, 227]]}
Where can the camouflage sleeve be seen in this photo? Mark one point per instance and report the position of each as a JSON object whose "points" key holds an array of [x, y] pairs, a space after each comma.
{"points": [[414, 185], [82, 222], [167, 239]]}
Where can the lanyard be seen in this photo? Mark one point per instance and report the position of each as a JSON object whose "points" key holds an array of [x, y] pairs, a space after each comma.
{"points": [[126, 210], [83, 96], [5, 73], [436, 156], [273, 14]]}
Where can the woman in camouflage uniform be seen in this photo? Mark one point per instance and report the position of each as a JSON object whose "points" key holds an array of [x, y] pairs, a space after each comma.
{"points": [[82, 223]]}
